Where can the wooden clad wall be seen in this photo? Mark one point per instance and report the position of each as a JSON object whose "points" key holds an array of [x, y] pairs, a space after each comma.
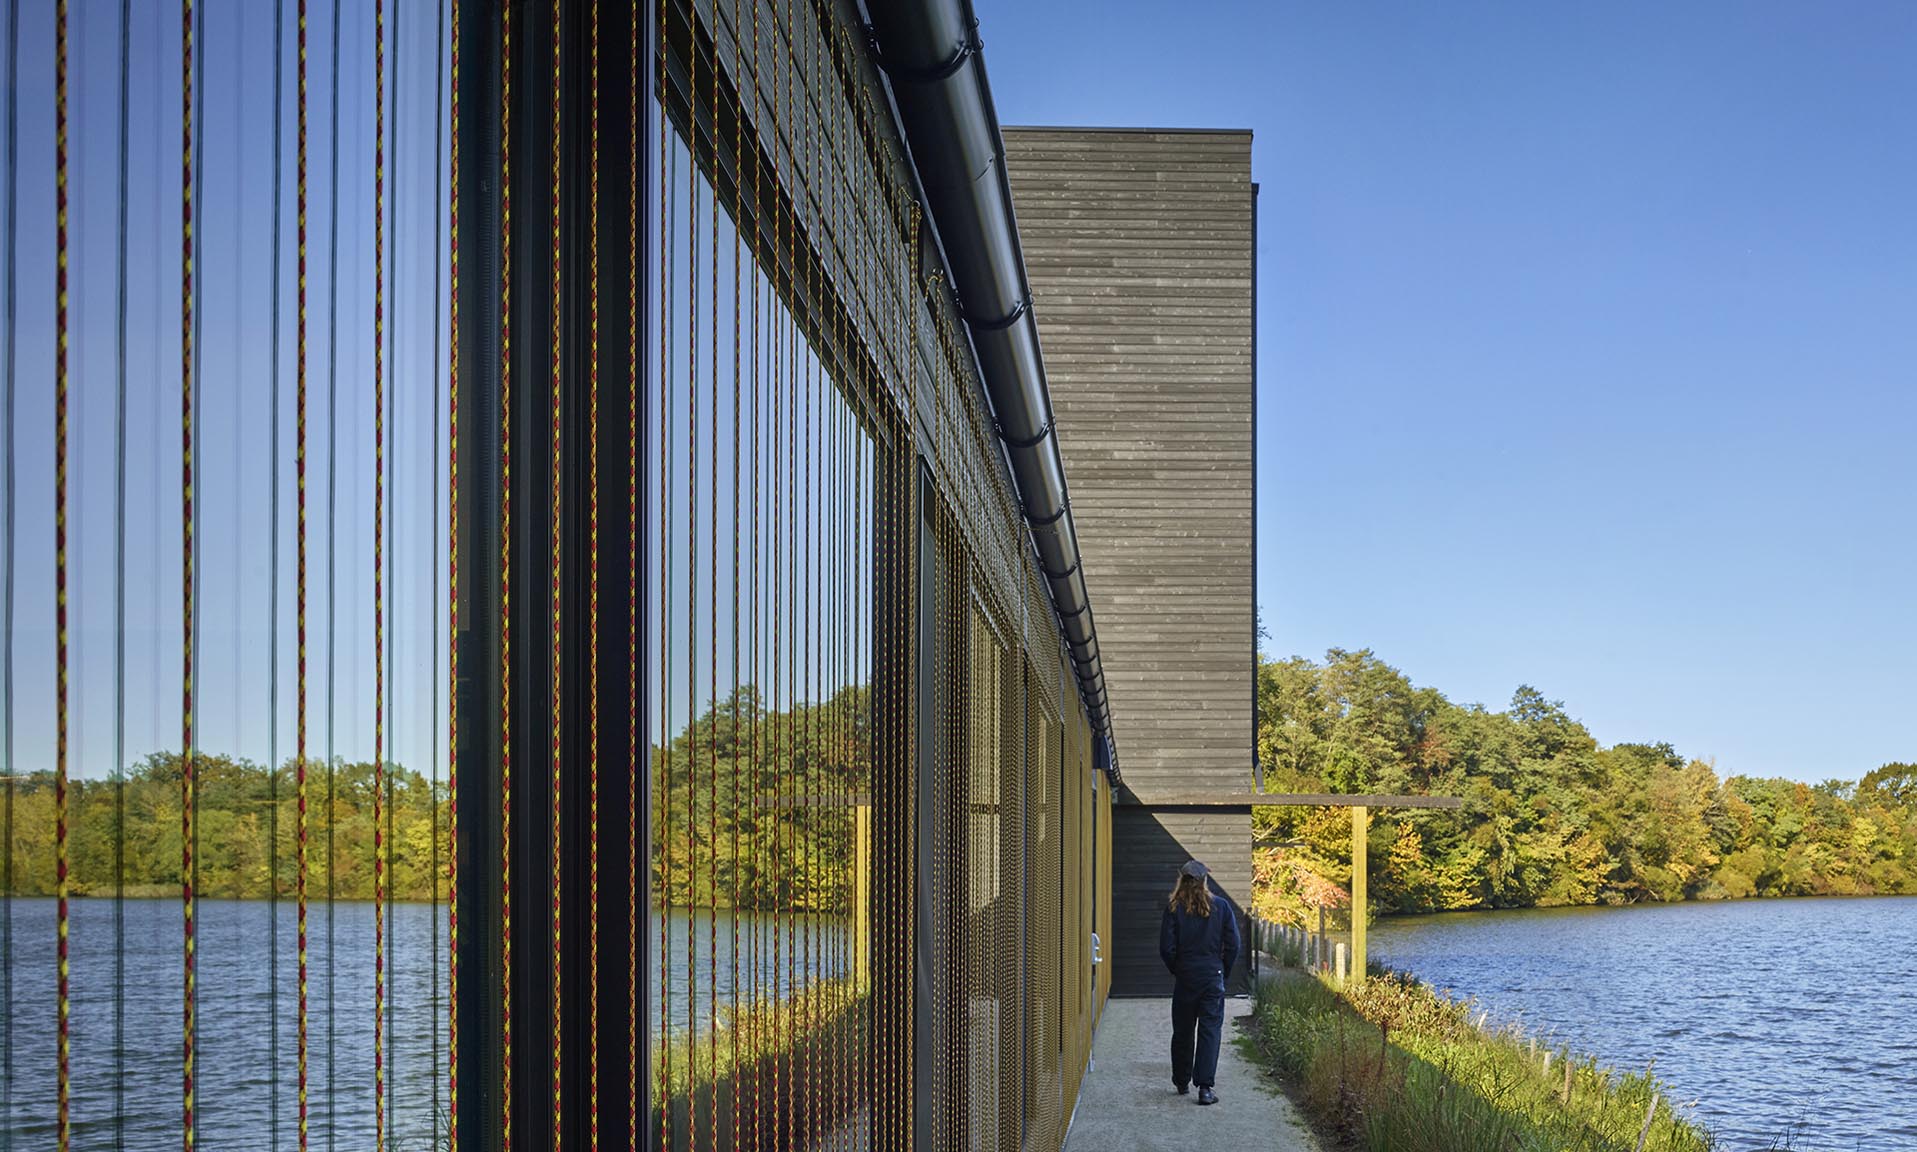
{"points": [[1139, 248], [1139, 245], [1153, 845]]}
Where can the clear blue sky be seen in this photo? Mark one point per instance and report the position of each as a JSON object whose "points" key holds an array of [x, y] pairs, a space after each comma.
{"points": [[235, 486], [1587, 342], [239, 675]]}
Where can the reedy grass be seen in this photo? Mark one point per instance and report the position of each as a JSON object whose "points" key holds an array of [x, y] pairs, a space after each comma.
{"points": [[1388, 1065], [751, 1032]]}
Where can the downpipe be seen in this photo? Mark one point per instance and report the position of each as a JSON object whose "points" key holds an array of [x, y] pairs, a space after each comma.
{"points": [[931, 55]]}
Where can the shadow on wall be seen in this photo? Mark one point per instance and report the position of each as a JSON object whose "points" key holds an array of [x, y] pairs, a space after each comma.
{"points": [[1149, 846]]}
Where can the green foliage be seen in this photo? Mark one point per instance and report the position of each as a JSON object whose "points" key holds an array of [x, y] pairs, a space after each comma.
{"points": [[727, 832], [752, 1032], [755, 809], [1390, 1065], [776, 1074], [1550, 817], [241, 832]]}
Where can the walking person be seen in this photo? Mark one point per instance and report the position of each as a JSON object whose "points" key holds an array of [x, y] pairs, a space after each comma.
{"points": [[1198, 940]]}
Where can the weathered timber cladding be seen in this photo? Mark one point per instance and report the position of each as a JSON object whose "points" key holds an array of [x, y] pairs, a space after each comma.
{"points": [[1152, 844], [1139, 248]]}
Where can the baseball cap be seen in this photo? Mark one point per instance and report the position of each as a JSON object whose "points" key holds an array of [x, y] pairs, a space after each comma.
{"points": [[1194, 868]]}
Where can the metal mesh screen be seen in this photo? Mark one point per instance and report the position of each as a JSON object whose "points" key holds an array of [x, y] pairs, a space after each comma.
{"points": [[691, 758]]}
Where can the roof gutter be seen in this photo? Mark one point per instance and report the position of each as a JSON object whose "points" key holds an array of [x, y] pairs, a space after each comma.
{"points": [[930, 51]]}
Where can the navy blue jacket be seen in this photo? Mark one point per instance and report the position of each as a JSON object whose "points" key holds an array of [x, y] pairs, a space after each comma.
{"points": [[1200, 950]]}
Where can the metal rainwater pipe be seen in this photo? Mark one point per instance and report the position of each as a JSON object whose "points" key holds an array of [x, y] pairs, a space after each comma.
{"points": [[931, 55]]}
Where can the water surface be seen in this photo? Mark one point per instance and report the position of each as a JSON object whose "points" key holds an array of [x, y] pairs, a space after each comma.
{"points": [[247, 981], [1779, 1018]]}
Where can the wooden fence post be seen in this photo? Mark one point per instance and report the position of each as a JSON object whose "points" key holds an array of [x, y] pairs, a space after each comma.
{"points": [[1650, 1114], [862, 898], [1360, 870]]}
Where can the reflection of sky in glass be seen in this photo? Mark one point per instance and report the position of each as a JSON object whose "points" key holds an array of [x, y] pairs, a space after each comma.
{"points": [[810, 507], [235, 481], [758, 564], [813, 491], [238, 681]]}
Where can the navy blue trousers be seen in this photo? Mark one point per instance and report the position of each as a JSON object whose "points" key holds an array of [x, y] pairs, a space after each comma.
{"points": [[1198, 1018]]}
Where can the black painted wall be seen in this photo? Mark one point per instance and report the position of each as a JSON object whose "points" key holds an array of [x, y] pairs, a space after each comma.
{"points": [[1149, 846]]}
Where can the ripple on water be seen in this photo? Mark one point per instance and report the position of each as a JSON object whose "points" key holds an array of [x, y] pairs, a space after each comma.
{"points": [[1770, 1037], [236, 1087]]}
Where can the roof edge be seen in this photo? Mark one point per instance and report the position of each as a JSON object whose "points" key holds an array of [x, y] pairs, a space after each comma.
{"points": [[1118, 128]]}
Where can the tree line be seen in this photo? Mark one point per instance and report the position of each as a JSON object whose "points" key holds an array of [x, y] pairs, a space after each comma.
{"points": [[246, 825], [1550, 816], [753, 808], [726, 832]]}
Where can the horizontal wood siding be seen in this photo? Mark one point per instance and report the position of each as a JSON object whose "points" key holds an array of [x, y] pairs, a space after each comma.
{"points": [[1150, 847], [1139, 247]]}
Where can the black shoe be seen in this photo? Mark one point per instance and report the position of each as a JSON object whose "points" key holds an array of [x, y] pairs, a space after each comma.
{"points": [[1207, 1096], [1182, 1088]]}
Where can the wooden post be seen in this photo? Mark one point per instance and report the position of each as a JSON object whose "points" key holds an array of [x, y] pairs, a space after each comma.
{"points": [[1650, 1114], [1319, 957], [862, 898], [1341, 962], [1360, 826], [1567, 1080]]}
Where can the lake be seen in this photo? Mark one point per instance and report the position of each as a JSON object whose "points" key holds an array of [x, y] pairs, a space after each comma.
{"points": [[1780, 1018], [235, 1089]]}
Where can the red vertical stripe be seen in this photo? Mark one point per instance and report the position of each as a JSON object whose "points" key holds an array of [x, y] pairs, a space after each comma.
{"points": [[299, 755], [452, 599], [554, 606], [187, 797], [379, 581], [64, 1008], [592, 603], [505, 576]]}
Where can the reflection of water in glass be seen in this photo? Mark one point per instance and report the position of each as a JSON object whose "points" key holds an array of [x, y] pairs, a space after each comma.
{"points": [[235, 1082], [786, 952]]}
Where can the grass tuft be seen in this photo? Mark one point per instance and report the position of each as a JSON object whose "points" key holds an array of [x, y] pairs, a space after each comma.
{"points": [[1387, 1065]]}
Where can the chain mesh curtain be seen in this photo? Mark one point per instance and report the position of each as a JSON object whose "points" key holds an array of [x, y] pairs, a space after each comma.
{"points": [[536, 520]]}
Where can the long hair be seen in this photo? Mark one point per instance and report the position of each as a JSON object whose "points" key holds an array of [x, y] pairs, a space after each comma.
{"points": [[1191, 896]]}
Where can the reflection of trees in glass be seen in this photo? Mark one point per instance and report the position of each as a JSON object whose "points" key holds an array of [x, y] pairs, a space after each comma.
{"points": [[760, 803], [235, 828], [1550, 817], [783, 834]]}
